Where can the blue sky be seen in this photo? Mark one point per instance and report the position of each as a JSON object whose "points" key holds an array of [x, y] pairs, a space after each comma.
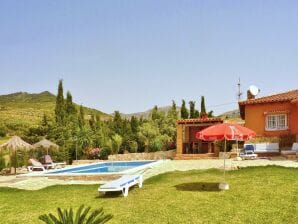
{"points": [[130, 55]]}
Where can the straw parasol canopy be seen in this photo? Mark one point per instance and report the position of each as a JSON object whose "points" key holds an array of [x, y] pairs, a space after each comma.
{"points": [[16, 143], [45, 144]]}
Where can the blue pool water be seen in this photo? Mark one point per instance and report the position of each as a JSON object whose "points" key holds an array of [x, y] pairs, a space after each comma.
{"points": [[104, 167]]}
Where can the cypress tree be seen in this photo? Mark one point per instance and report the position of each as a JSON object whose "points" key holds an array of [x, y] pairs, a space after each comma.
{"points": [[154, 113], [184, 112], [203, 107], [134, 125], [192, 109], [173, 112], [81, 117], [69, 106], [117, 122], [59, 109], [196, 114]]}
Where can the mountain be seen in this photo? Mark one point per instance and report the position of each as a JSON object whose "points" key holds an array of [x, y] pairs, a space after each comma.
{"points": [[21, 110], [231, 114], [146, 114]]}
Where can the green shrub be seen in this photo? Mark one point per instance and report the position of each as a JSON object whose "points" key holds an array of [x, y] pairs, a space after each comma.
{"points": [[156, 145], [2, 162], [3, 130], [221, 145], [81, 216], [104, 153], [133, 146]]}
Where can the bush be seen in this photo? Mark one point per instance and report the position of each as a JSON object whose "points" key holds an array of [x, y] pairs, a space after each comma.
{"points": [[104, 153], [221, 145], [93, 153], [3, 131], [2, 162], [156, 145], [133, 146]]}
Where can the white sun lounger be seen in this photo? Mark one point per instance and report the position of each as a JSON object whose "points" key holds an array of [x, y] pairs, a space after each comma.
{"points": [[122, 184]]}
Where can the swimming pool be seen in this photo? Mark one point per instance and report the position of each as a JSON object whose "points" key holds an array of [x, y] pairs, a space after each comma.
{"points": [[100, 168]]}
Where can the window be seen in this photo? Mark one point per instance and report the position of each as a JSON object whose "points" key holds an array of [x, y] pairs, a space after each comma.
{"points": [[276, 122]]}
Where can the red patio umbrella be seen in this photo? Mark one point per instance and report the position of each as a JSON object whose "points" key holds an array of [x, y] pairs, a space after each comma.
{"points": [[225, 131]]}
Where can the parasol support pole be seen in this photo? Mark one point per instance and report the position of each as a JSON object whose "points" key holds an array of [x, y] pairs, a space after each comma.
{"points": [[224, 185], [225, 160]]}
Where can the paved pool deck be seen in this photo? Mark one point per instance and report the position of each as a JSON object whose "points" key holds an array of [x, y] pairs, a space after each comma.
{"points": [[36, 183]]}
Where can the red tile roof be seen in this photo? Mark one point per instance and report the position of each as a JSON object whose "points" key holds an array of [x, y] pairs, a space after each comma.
{"points": [[291, 96], [200, 120]]}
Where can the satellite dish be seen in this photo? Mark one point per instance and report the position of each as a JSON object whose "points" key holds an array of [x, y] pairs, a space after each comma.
{"points": [[254, 90]]}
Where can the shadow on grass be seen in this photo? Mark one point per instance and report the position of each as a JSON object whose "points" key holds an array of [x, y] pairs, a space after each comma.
{"points": [[198, 186]]}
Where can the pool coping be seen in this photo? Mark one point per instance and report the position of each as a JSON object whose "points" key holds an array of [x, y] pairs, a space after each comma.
{"points": [[128, 171]]}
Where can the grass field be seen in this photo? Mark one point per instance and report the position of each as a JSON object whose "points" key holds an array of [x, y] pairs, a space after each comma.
{"points": [[257, 195]]}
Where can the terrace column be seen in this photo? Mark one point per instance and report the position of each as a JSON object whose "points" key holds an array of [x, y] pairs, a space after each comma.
{"points": [[179, 142]]}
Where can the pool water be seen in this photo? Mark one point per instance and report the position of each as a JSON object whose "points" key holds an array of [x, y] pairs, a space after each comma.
{"points": [[104, 167]]}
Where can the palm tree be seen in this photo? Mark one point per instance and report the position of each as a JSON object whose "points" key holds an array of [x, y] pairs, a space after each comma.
{"points": [[79, 217], [117, 142]]}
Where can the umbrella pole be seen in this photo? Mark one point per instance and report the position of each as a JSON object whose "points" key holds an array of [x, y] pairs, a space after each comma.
{"points": [[224, 185], [225, 161], [15, 162]]}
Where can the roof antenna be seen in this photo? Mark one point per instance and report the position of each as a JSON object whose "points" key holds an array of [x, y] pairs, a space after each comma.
{"points": [[239, 90]]}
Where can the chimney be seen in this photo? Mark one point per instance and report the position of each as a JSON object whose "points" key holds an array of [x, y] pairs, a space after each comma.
{"points": [[250, 96]]}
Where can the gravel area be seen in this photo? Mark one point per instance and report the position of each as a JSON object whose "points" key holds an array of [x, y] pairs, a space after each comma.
{"points": [[36, 183]]}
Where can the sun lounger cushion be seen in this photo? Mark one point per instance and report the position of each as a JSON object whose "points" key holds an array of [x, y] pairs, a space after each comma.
{"points": [[266, 147]]}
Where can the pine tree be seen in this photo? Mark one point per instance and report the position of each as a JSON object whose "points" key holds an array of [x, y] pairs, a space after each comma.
{"points": [[203, 107], [59, 109], [184, 112], [69, 106]]}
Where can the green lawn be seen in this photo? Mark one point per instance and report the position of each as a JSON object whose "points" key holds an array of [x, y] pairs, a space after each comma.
{"points": [[257, 195]]}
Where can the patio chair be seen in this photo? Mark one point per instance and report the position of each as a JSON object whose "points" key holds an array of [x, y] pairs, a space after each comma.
{"points": [[35, 166], [47, 160], [122, 184], [249, 152]]}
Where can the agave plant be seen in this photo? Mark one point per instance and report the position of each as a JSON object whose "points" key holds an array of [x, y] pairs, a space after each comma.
{"points": [[81, 216]]}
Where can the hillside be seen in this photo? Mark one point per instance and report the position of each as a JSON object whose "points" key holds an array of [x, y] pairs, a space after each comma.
{"points": [[21, 110], [146, 114]]}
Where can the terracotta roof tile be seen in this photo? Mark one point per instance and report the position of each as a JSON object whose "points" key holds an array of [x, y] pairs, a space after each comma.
{"points": [[199, 120], [291, 96]]}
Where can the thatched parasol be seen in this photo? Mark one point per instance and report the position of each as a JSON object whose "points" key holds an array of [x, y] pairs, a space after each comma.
{"points": [[45, 144], [16, 143]]}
